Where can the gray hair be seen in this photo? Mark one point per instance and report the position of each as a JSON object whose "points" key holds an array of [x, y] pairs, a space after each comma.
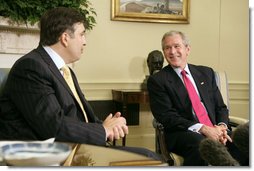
{"points": [[186, 41]]}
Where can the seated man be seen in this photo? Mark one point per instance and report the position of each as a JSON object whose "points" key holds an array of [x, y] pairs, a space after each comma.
{"points": [[186, 100], [42, 98]]}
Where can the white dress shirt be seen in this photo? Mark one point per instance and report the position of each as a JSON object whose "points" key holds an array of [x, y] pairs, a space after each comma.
{"points": [[57, 59], [196, 127]]}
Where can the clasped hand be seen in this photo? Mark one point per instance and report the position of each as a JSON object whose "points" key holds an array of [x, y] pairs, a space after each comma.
{"points": [[115, 126], [217, 133]]}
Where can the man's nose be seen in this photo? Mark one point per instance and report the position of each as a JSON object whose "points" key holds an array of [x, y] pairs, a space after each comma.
{"points": [[172, 50], [84, 41]]}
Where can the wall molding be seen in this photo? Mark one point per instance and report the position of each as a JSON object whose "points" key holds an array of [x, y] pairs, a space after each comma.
{"points": [[8, 25], [238, 91], [238, 94], [15, 41], [103, 91]]}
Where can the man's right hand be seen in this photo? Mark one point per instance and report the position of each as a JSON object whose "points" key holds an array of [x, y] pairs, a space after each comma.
{"points": [[216, 133], [115, 126]]}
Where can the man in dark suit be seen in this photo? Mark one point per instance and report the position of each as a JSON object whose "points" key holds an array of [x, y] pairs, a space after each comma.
{"points": [[171, 105], [38, 104]]}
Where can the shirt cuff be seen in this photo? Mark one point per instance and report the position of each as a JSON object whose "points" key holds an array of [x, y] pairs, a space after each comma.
{"points": [[195, 128], [222, 123]]}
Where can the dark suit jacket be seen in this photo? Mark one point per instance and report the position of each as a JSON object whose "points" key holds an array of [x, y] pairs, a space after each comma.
{"points": [[171, 105], [38, 104]]}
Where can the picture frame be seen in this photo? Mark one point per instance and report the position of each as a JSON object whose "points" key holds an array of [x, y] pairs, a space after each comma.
{"points": [[155, 11]]}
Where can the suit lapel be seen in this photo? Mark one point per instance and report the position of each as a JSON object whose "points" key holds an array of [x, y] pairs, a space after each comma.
{"points": [[178, 86], [84, 102], [79, 91], [200, 81], [54, 69], [59, 76], [202, 86]]}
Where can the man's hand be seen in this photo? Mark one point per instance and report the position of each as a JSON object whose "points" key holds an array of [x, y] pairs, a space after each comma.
{"points": [[115, 126], [217, 133], [224, 138]]}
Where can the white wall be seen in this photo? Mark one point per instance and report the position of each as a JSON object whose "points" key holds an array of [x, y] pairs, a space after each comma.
{"points": [[116, 51]]}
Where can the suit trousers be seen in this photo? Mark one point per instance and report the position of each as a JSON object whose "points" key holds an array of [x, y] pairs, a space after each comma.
{"points": [[186, 144]]}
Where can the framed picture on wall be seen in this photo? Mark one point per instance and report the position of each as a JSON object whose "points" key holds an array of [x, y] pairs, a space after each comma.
{"points": [[159, 11]]}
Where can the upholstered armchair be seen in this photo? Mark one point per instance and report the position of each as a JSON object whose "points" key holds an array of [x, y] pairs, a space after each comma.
{"points": [[3, 77]]}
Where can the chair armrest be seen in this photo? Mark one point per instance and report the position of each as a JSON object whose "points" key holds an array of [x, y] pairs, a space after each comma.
{"points": [[234, 121], [162, 147]]}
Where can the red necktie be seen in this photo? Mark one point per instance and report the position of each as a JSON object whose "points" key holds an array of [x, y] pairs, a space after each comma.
{"points": [[199, 109]]}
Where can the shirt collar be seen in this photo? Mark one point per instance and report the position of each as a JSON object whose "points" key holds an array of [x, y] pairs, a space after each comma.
{"points": [[179, 70], [57, 59]]}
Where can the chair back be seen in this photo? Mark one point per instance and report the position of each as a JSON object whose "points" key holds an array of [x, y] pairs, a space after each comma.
{"points": [[3, 77], [222, 83]]}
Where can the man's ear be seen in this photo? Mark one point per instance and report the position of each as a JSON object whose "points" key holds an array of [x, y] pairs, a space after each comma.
{"points": [[188, 48], [64, 39]]}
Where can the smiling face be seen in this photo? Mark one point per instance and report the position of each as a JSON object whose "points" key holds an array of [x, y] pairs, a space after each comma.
{"points": [[175, 50]]}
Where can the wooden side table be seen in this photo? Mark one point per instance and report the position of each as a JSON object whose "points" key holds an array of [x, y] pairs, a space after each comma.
{"points": [[125, 97], [130, 96]]}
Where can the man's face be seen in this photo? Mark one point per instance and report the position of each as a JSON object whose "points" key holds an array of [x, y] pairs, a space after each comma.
{"points": [[175, 51], [76, 42]]}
